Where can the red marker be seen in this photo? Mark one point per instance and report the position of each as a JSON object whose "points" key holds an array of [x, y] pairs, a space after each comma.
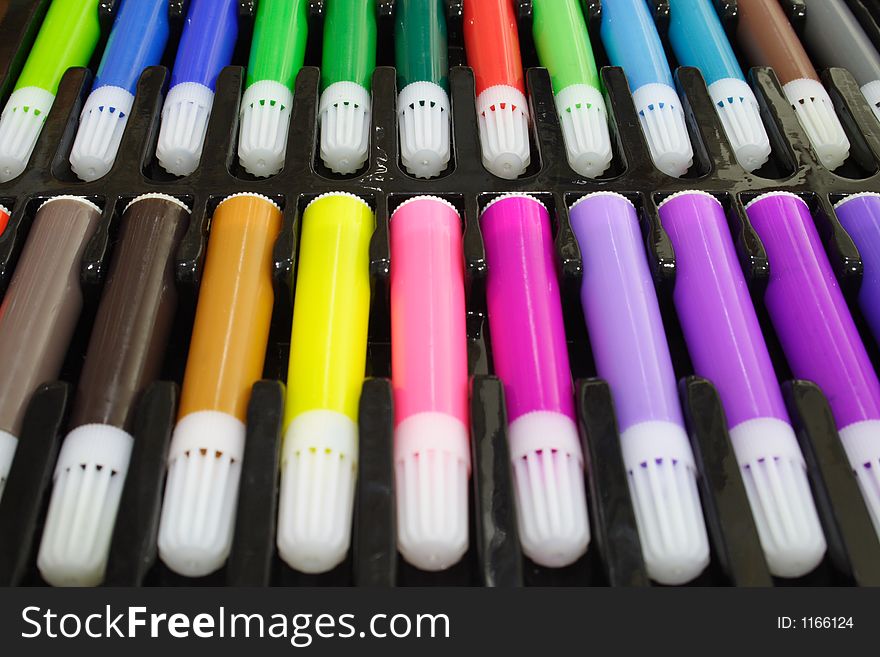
{"points": [[4, 218]]}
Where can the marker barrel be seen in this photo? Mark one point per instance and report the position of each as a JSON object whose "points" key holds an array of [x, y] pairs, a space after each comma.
{"points": [[207, 43], [563, 43], [699, 40], [420, 43], [4, 218], [137, 41], [492, 44], [279, 45], [631, 41], [859, 215], [349, 53]]}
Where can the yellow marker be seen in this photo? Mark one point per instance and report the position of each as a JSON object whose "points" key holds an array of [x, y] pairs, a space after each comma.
{"points": [[328, 352]]}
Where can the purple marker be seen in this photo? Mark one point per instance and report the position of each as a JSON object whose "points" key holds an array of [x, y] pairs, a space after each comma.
{"points": [[531, 359], [632, 355], [817, 332], [859, 215]]}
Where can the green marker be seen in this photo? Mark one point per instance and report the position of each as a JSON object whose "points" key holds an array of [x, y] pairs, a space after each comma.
{"points": [[563, 45], [348, 61], [66, 39], [277, 54]]}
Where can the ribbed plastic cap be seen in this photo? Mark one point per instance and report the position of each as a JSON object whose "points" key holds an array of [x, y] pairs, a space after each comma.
{"points": [[775, 477], [8, 445], [101, 125], [345, 127], [201, 492], [740, 115], [318, 473], [584, 121], [20, 125], [503, 116], [89, 478], [861, 441], [423, 117], [662, 118], [184, 126], [871, 92], [265, 121], [814, 108]]}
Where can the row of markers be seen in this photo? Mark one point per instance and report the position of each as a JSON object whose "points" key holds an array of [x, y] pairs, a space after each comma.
{"points": [[139, 37], [430, 373]]}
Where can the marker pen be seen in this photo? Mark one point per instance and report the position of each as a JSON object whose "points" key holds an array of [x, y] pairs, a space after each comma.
{"points": [[137, 41], [491, 41], [430, 379], [206, 47], [4, 218], [817, 332], [631, 354], [768, 39], [277, 55], [422, 79], [631, 41], [859, 214], [40, 310], [726, 346], [531, 359], [834, 37], [226, 354], [347, 65], [125, 355], [698, 39], [328, 354], [67, 38]]}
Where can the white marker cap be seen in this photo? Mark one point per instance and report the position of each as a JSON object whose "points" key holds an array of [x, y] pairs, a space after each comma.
{"points": [[265, 121], [8, 445], [584, 121], [740, 115], [101, 125], [503, 116], [871, 92], [184, 126], [20, 125], [423, 116], [860, 440], [662, 118], [318, 473], [548, 476], [662, 480], [89, 478], [431, 466], [345, 127], [814, 109], [201, 492], [775, 477]]}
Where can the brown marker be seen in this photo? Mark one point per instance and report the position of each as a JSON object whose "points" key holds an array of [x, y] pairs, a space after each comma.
{"points": [[40, 310]]}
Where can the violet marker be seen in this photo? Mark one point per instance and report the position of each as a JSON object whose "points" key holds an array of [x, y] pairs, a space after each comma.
{"points": [[531, 359], [818, 334], [632, 355]]}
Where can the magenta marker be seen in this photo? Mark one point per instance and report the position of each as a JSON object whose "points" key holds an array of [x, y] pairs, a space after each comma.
{"points": [[632, 355], [531, 359], [817, 332]]}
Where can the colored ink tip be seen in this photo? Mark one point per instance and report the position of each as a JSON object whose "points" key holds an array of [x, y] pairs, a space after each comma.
{"points": [[775, 477], [89, 478], [662, 119], [201, 492], [871, 92], [184, 126], [8, 445], [345, 127], [102, 123], [20, 125], [431, 466], [584, 121], [740, 115], [265, 121], [503, 117], [663, 485], [318, 473], [423, 115], [814, 109], [863, 450]]}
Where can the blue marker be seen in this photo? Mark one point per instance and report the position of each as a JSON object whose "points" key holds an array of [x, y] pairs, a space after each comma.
{"points": [[632, 42], [698, 40], [137, 41], [206, 47]]}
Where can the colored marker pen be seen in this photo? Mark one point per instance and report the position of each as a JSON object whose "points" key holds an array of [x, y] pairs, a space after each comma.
{"points": [[125, 354], [347, 65], [422, 79], [226, 355], [834, 37], [491, 41], [328, 354], [430, 379], [727, 347], [768, 39], [277, 54], [137, 41], [4, 218], [563, 45], [40, 310], [632, 42], [206, 47], [817, 333], [67, 38], [859, 214], [631, 354], [698, 40], [531, 359]]}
